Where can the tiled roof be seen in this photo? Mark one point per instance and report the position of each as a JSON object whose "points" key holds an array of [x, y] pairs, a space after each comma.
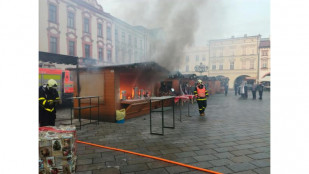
{"points": [[264, 43]]}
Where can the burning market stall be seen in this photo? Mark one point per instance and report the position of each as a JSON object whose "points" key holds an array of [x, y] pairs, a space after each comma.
{"points": [[119, 86], [173, 81]]}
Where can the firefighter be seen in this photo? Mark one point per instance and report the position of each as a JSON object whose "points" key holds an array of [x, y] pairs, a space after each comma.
{"points": [[48, 98], [201, 94]]}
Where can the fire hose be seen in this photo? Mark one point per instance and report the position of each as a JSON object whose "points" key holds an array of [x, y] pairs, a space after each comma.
{"points": [[148, 156]]}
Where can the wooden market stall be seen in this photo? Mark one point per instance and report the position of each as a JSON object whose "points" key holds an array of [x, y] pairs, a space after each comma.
{"points": [[124, 86]]}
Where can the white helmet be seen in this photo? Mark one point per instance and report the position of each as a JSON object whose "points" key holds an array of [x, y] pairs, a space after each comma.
{"points": [[199, 81], [52, 83]]}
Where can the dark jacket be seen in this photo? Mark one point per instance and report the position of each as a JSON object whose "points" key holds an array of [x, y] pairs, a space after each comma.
{"points": [[260, 87], [47, 98]]}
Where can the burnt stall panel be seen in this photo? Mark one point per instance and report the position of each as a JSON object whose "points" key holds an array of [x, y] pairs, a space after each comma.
{"points": [[91, 84], [108, 108]]}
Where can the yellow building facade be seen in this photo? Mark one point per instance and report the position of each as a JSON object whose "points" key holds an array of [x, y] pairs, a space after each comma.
{"points": [[234, 58], [264, 58]]}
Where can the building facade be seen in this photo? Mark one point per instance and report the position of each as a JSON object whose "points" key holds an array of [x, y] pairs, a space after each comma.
{"points": [[235, 58], [264, 58], [193, 58], [81, 28], [131, 43]]}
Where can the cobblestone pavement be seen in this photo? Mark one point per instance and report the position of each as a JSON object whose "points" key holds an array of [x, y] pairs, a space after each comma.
{"points": [[233, 137]]}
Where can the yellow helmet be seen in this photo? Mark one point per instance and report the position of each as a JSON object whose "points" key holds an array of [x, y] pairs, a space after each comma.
{"points": [[52, 83]]}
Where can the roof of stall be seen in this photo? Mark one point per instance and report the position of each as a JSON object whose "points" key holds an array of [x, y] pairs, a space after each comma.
{"points": [[144, 65], [57, 58]]}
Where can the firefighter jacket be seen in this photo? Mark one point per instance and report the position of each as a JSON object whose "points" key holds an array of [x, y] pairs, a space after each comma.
{"points": [[200, 92], [47, 99]]}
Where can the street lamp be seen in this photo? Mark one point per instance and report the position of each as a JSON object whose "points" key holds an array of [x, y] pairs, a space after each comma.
{"points": [[201, 68]]}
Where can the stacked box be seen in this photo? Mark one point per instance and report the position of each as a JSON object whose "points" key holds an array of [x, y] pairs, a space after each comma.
{"points": [[57, 150]]}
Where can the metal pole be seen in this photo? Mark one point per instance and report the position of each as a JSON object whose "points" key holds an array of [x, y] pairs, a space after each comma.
{"points": [[180, 101], [258, 52], [162, 118], [98, 109], [188, 107], [90, 109], [173, 113], [150, 116]]}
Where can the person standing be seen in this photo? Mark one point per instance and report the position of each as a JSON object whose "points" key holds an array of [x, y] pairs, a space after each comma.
{"points": [[226, 88], [260, 88], [201, 94], [246, 90], [242, 90], [48, 98], [235, 88], [254, 86]]}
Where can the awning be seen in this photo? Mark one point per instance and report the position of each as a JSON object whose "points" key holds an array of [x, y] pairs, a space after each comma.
{"points": [[250, 78], [265, 79], [57, 58]]}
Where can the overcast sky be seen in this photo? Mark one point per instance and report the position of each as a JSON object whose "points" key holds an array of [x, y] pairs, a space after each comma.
{"points": [[217, 19]]}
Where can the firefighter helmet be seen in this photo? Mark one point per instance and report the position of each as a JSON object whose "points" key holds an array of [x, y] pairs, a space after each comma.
{"points": [[52, 83], [199, 81]]}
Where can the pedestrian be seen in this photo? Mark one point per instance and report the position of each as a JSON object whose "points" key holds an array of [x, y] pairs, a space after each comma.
{"points": [[242, 90], [260, 88], [246, 90], [201, 94], [226, 88], [48, 98], [236, 88], [254, 86]]}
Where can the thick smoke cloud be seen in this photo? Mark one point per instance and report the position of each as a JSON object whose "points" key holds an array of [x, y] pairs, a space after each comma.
{"points": [[178, 19]]}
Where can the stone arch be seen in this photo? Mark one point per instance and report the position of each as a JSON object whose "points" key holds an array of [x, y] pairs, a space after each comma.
{"points": [[239, 79], [267, 74]]}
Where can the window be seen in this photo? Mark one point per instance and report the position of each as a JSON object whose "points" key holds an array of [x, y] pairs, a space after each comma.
{"points": [[129, 40], [86, 25], [71, 20], [197, 58], [53, 45], [109, 55], [264, 64], [71, 48], [204, 58], [100, 54], [87, 51], [100, 33], [52, 13], [264, 53], [116, 35], [243, 64], [187, 68], [243, 50], [251, 64], [109, 33], [231, 65], [187, 58], [135, 43], [123, 37], [220, 67], [141, 44], [213, 67]]}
